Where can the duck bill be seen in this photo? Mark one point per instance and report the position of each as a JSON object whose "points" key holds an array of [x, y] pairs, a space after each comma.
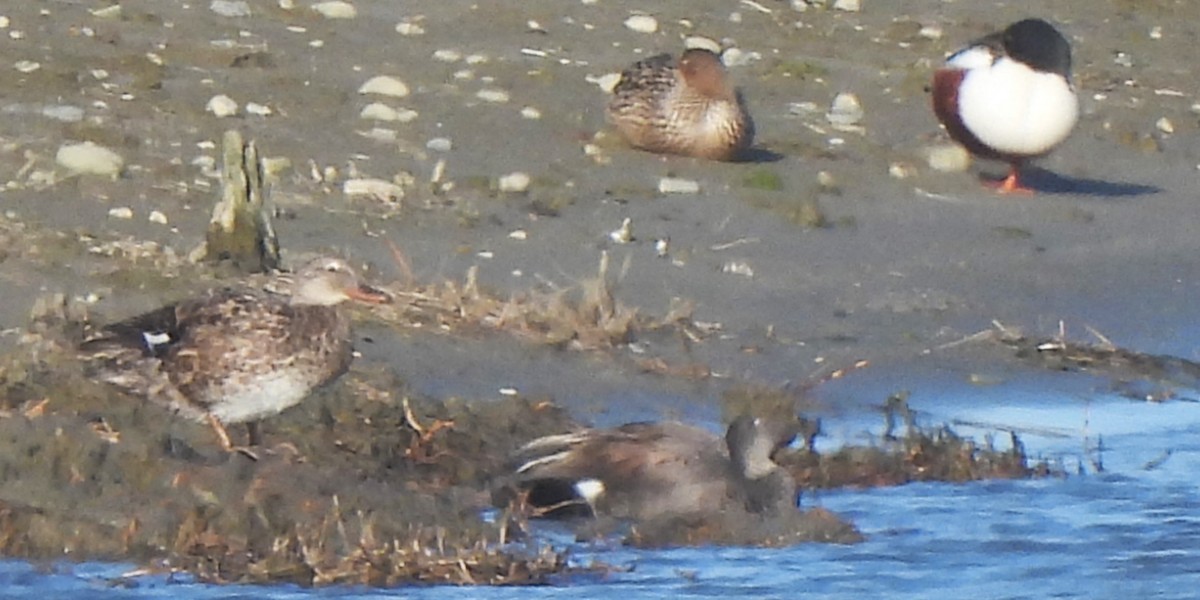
{"points": [[368, 294]]}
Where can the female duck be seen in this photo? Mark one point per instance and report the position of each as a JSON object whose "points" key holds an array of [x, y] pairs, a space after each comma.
{"points": [[683, 107], [233, 356]]}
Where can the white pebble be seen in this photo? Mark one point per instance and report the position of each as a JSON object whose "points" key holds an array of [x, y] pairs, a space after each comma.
{"points": [[492, 95], [1156, 32], [222, 106], [407, 28], [738, 267], [846, 110], [931, 32], [447, 56], [26, 66], [697, 41], [515, 183], [121, 212], [847, 5], [948, 158], [261, 110], [531, 113], [378, 111], [642, 23], [736, 57], [336, 9], [439, 144], [624, 233], [518, 234], [376, 189], [898, 171], [230, 8], [157, 217], [63, 112], [89, 158], [384, 85], [677, 185], [1165, 125]]}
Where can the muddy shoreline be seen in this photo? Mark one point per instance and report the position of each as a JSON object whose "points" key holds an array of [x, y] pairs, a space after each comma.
{"points": [[844, 247]]}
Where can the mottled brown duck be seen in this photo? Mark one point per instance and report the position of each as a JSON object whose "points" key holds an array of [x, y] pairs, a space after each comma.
{"points": [[236, 355], [647, 471], [686, 107]]}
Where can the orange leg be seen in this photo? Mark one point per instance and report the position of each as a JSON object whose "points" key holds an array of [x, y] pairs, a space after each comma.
{"points": [[1011, 184], [226, 443]]}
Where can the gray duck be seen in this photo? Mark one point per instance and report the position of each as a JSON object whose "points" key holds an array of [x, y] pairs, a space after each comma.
{"points": [[685, 107], [236, 355], [647, 471]]}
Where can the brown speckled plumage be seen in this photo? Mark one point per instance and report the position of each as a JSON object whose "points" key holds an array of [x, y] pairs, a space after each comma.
{"points": [[232, 356], [683, 107]]}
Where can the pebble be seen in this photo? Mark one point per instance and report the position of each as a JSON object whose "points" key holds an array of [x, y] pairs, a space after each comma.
{"points": [[677, 185], [515, 183], [848, 5], [121, 212], [736, 57], [260, 110], [89, 158], [846, 110], [624, 233], [408, 28], [447, 56], [1165, 125], [439, 144], [931, 32], [492, 95], [376, 189], [948, 158], [699, 41], [230, 8], [518, 234], [336, 9], [531, 113], [738, 267], [157, 217], [27, 66], [63, 112], [642, 23], [384, 85], [222, 106], [379, 111]]}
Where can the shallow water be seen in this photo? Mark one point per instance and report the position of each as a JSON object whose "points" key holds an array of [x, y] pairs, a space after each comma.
{"points": [[1126, 530]]}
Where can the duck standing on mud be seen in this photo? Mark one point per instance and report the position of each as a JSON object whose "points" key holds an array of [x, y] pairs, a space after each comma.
{"points": [[1008, 96], [234, 356], [685, 107], [646, 471]]}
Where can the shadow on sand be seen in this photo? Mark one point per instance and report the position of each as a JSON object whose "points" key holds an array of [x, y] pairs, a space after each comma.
{"points": [[1046, 182]]}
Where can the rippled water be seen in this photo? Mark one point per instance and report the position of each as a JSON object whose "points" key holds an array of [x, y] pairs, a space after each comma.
{"points": [[1128, 531]]}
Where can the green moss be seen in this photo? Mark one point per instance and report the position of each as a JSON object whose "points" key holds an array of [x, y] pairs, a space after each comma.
{"points": [[763, 179]]}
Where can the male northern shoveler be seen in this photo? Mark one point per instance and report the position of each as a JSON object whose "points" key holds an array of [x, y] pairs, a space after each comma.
{"points": [[645, 471], [1008, 96], [233, 356], [683, 107]]}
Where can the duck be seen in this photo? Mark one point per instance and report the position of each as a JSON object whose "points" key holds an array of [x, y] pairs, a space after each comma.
{"points": [[233, 355], [686, 107], [1008, 96], [642, 472]]}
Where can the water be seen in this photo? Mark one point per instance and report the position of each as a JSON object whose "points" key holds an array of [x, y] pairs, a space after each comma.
{"points": [[1130, 531]]}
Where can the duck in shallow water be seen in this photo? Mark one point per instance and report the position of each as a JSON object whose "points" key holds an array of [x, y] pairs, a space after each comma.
{"points": [[685, 107], [234, 356], [648, 471], [1008, 96]]}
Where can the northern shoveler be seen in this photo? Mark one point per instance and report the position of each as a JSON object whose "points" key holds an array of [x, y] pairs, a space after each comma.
{"points": [[683, 107], [644, 471], [233, 356], [1008, 96]]}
